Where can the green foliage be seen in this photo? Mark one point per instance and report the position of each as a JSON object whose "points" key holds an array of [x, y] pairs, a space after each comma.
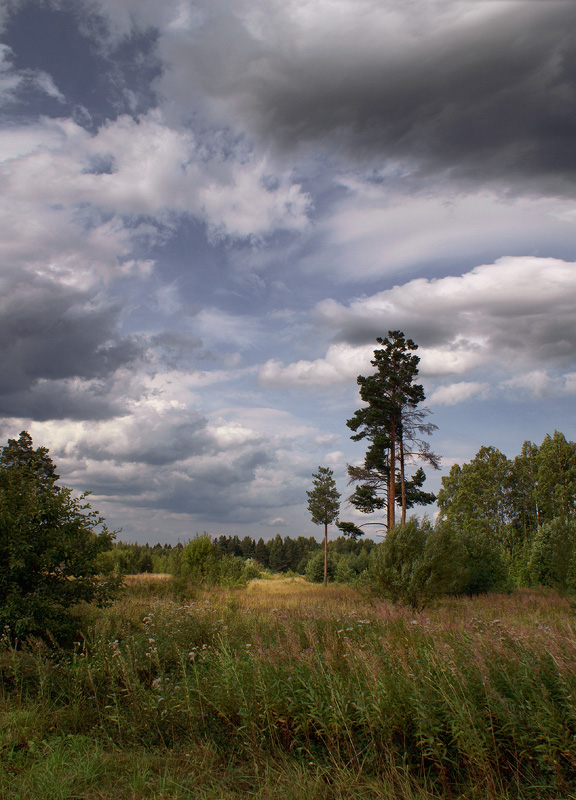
{"points": [[324, 505], [49, 547], [557, 478], [553, 554], [522, 508], [350, 529], [417, 563], [481, 557], [261, 553], [199, 558], [480, 492], [277, 560], [203, 564]]}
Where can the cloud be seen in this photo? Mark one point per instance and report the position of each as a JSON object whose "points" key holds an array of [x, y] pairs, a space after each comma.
{"points": [[143, 167], [340, 364], [13, 81], [375, 230], [51, 333], [231, 466], [455, 393], [450, 90], [541, 384], [517, 312]]}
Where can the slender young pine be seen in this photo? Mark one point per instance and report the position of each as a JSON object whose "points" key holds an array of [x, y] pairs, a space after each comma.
{"points": [[324, 505]]}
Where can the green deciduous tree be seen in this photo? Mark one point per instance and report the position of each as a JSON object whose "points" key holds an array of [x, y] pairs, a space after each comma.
{"points": [[480, 492], [50, 542], [553, 554], [200, 557], [556, 478], [526, 507], [392, 424], [324, 505]]}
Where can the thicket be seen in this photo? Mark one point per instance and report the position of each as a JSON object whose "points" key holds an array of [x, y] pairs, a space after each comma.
{"points": [[502, 524]]}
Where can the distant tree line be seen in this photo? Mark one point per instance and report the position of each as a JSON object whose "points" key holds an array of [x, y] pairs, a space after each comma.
{"points": [[231, 558]]}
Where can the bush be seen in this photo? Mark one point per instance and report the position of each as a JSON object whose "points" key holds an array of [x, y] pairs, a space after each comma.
{"points": [[199, 559], [417, 563], [486, 569]]}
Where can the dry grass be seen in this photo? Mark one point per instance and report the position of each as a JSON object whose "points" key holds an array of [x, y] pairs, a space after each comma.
{"points": [[298, 594], [147, 577]]}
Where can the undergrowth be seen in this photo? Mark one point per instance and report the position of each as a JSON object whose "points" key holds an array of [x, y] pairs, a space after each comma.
{"points": [[289, 690]]}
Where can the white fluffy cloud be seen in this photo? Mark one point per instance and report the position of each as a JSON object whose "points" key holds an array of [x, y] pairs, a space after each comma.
{"points": [[541, 384], [145, 168], [454, 393], [517, 313], [341, 363]]}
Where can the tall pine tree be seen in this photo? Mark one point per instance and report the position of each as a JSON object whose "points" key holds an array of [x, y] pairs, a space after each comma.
{"points": [[392, 423]]}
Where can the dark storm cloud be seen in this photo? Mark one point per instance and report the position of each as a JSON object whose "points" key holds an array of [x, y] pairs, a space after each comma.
{"points": [[47, 400], [218, 487], [218, 491], [51, 333], [496, 99], [166, 441]]}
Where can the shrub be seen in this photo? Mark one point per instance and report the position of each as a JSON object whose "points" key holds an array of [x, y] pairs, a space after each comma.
{"points": [[417, 563], [486, 569]]}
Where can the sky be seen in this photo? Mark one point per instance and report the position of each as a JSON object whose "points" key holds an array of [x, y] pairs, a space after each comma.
{"points": [[210, 210]]}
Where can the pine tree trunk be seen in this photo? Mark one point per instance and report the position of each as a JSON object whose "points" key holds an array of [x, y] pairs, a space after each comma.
{"points": [[392, 481], [325, 554], [402, 481]]}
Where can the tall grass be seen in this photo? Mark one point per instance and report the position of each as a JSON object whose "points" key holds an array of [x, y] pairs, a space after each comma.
{"points": [[300, 691]]}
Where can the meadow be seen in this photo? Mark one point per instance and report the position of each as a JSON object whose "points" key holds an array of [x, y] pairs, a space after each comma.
{"points": [[289, 690]]}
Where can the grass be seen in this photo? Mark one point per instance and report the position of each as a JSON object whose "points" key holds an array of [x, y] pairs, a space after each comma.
{"points": [[290, 690]]}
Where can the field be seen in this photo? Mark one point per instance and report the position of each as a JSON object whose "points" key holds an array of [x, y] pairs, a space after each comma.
{"points": [[286, 690]]}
